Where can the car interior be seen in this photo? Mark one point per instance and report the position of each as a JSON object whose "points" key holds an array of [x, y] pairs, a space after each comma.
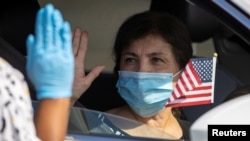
{"points": [[204, 21]]}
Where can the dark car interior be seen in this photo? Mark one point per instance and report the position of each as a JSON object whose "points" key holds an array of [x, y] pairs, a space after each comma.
{"points": [[203, 20]]}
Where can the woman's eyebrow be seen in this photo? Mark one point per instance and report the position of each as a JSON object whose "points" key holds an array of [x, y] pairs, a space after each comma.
{"points": [[152, 54], [130, 54], [157, 54]]}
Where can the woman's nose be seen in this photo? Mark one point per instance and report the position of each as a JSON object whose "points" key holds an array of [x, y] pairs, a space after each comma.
{"points": [[144, 67]]}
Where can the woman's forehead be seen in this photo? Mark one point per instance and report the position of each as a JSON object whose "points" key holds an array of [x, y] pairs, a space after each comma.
{"points": [[149, 44]]}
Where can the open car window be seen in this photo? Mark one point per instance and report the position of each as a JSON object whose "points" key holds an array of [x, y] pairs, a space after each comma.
{"points": [[86, 124]]}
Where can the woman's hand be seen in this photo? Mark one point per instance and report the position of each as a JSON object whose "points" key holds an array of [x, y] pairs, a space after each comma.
{"points": [[82, 81]]}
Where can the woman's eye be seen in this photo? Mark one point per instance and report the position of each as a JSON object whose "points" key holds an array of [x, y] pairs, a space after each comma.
{"points": [[157, 60], [129, 60]]}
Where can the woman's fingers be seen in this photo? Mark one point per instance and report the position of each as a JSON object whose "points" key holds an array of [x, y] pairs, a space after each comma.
{"points": [[76, 40]]}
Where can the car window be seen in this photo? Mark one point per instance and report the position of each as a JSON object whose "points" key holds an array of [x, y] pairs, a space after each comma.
{"points": [[85, 123]]}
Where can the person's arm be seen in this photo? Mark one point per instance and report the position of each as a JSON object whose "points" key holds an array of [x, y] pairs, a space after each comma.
{"points": [[50, 67], [51, 119]]}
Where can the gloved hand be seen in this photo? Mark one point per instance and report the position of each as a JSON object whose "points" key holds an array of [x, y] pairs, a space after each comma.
{"points": [[50, 60]]}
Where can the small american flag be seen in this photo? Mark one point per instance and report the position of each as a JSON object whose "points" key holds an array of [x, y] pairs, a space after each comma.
{"points": [[196, 83]]}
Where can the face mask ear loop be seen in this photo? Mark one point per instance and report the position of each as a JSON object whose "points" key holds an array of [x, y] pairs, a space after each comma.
{"points": [[177, 73]]}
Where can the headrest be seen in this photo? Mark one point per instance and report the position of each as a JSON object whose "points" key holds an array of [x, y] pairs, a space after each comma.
{"points": [[201, 24]]}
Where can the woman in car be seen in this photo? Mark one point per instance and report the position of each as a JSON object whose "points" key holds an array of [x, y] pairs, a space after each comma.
{"points": [[150, 51]]}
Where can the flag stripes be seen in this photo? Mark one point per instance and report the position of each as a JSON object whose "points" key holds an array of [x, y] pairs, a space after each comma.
{"points": [[195, 85]]}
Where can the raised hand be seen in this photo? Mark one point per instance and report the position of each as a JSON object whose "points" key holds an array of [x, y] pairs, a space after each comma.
{"points": [[82, 81], [50, 67], [50, 60]]}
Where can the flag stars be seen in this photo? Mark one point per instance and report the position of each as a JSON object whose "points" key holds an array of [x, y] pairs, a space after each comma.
{"points": [[204, 66]]}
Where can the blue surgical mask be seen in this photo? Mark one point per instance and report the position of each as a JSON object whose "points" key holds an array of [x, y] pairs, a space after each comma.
{"points": [[145, 92]]}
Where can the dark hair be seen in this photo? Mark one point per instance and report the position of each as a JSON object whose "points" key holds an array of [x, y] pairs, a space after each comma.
{"points": [[140, 25]]}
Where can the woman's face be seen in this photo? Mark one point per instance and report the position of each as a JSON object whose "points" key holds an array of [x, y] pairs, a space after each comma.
{"points": [[150, 54]]}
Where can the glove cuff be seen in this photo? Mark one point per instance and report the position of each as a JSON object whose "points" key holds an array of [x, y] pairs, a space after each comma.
{"points": [[53, 94]]}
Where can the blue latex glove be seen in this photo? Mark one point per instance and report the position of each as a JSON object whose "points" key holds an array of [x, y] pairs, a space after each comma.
{"points": [[50, 60]]}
